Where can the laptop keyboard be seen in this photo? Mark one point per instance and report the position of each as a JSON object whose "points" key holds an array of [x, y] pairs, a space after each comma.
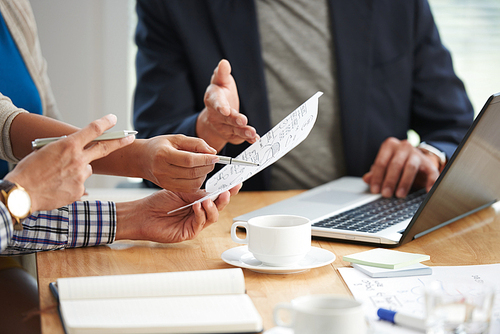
{"points": [[376, 215]]}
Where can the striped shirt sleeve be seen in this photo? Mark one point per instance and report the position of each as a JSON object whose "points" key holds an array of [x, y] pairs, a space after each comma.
{"points": [[5, 227], [80, 224]]}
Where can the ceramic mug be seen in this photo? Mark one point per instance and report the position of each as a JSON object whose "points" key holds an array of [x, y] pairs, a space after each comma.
{"points": [[276, 240], [325, 314]]}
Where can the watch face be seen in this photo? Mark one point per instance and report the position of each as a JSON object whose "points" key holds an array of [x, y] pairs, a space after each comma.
{"points": [[19, 203]]}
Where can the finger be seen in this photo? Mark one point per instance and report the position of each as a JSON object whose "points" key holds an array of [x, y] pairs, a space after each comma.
{"points": [[179, 173], [210, 211], [184, 185], [408, 176], [222, 73], [233, 191], [94, 130], [216, 99], [368, 177], [431, 173], [191, 144], [378, 169], [223, 200], [89, 171], [102, 148], [394, 172], [235, 133], [189, 165]]}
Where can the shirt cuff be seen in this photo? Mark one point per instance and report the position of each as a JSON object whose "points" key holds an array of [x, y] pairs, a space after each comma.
{"points": [[91, 223]]}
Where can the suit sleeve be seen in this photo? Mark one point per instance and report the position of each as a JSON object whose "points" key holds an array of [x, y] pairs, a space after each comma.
{"points": [[441, 110], [164, 101]]}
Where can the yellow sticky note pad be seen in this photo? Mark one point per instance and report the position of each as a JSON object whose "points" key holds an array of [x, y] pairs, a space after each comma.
{"points": [[386, 258]]}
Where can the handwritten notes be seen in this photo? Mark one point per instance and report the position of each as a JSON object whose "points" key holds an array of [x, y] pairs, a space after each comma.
{"points": [[406, 294], [277, 142]]}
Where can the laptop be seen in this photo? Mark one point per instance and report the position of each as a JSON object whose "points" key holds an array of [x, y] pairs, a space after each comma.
{"points": [[469, 183]]}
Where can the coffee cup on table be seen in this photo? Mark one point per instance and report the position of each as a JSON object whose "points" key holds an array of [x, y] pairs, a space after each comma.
{"points": [[325, 314], [276, 240]]}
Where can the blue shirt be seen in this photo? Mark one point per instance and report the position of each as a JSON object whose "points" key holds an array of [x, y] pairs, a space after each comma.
{"points": [[15, 79]]}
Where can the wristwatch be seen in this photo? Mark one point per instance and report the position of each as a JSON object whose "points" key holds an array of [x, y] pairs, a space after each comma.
{"points": [[426, 148], [17, 200]]}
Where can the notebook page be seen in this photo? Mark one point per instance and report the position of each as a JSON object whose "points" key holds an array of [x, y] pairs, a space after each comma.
{"points": [[203, 282], [192, 314]]}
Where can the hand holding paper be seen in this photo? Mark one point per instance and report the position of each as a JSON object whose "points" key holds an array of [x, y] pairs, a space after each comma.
{"points": [[280, 140]]}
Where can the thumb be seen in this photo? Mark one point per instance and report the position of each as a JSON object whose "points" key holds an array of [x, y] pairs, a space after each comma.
{"points": [[222, 73]]}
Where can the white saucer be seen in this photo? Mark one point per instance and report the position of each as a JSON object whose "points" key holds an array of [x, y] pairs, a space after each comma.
{"points": [[279, 330], [241, 257]]}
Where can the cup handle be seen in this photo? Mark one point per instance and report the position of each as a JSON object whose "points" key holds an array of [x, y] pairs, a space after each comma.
{"points": [[276, 315], [233, 232]]}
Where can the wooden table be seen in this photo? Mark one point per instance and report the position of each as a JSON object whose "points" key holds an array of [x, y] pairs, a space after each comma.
{"points": [[469, 241]]}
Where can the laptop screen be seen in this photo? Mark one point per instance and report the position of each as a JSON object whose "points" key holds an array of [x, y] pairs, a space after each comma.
{"points": [[470, 180]]}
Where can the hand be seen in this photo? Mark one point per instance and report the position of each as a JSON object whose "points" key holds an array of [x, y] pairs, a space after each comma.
{"points": [[169, 164], [220, 122], [147, 219], [400, 165], [54, 175]]}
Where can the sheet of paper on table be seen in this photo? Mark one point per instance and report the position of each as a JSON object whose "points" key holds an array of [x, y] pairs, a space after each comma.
{"points": [[406, 294], [277, 142]]}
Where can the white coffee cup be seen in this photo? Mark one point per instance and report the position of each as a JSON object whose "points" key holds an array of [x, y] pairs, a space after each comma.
{"points": [[276, 240], [325, 314]]}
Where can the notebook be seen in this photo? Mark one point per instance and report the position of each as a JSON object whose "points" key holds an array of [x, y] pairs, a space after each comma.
{"points": [[469, 182]]}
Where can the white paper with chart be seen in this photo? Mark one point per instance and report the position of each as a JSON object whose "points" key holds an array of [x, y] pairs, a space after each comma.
{"points": [[406, 294], [277, 142]]}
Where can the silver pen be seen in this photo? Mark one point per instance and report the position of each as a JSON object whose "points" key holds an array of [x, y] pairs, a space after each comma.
{"points": [[41, 142], [231, 161]]}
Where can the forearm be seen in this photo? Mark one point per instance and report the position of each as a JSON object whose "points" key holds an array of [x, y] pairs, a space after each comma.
{"points": [[123, 162], [128, 161], [80, 224], [27, 127]]}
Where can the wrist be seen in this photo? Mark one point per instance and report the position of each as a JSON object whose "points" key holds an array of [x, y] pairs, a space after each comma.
{"points": [[437, 156], [126, 221], [17, 201]]}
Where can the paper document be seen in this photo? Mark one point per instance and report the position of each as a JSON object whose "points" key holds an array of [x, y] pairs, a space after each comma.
{"points": [[406, 294], [280, 140]]}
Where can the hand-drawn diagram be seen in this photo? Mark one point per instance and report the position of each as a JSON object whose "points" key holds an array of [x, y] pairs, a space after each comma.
{"points": [[406, 294], [277, 142], [286, 135]]}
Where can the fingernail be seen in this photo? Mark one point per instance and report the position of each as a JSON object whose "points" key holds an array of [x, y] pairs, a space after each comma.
{"points": [[112, 118], [215, 160], [128, 139], [375, 189], [248, 133], [387, 192], [240, 122]]}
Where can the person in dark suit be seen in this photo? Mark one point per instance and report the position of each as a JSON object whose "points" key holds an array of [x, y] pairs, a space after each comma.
{"points": [[380, 63]]}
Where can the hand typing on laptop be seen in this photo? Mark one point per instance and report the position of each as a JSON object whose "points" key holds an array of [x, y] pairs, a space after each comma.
{"points": [[398, 166]]}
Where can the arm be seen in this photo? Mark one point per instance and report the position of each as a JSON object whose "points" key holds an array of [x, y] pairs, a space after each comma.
{"points": [[93, 223], [165, 160], [171, 82], [5, 227], [440, 113], [67, 227]]}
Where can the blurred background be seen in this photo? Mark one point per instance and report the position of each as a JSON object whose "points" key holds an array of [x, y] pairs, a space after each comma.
{"points": [[90, 52]]}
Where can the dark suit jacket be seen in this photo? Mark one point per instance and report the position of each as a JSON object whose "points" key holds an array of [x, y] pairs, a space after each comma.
{"points": [[394, 74]]}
